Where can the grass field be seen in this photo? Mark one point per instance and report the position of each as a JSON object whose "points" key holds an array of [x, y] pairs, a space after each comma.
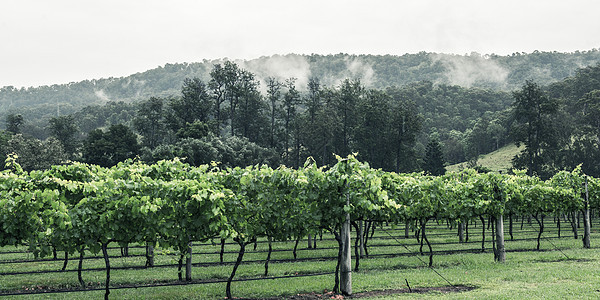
{"points": [[560, 270], [499, 160]]}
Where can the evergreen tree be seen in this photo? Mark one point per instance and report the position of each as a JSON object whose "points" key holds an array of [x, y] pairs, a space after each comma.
{"points": [[434, 159], [534, 127]]}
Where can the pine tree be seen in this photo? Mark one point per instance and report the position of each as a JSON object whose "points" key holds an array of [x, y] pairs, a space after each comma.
{"points": [[434, 159]]}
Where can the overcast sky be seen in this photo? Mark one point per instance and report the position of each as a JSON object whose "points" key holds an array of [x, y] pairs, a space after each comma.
{"points": [[45, 42]]}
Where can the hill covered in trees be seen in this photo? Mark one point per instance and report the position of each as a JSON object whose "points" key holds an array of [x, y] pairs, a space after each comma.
{"points": [[504, 73], [281, 109]]}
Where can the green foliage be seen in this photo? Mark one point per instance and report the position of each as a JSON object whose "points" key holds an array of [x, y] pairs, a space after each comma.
{"points": [[150, 122], [64, 129], [433, 163], [108, 148], [34, 154], [533, 112], [13, 123], [382, 112], [78, 206]]}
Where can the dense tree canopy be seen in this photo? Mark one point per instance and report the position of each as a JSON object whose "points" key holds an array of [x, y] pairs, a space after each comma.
{"points": [[231, 114]]}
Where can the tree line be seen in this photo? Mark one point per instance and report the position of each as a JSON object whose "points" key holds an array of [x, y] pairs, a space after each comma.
{"points": [[233, 119]]}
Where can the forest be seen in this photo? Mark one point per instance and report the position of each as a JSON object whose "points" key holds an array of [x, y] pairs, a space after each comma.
{"points": [[416, 112]]}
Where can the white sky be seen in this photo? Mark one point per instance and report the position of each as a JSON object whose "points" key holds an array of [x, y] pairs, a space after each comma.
{"points": [[44, 42]]}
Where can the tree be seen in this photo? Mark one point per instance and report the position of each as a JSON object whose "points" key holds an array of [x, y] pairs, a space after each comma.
{"points": [[63, 128], [373, 132], [193, 105], [590, 104], [434, 161], [347, 97], [34, 154], [406, 123], [150, 122], [533, 127], [109, 148], [291, 99], [195, 130], [478, 139], [496, 132], [217, 85], [273, 100], [249, 119], [317, 121], [13, 123]]}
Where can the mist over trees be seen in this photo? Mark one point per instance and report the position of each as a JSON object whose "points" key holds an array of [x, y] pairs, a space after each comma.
{"points": [[498, 73], [236, 116]]}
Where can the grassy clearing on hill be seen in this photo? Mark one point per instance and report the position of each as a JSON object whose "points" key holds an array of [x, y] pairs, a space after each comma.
{"points": [[499, 160]]}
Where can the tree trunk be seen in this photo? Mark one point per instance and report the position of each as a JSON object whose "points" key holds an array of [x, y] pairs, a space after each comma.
{"points": [[296, 247], [522, 221], [80, 267], [420, 232], [180, 267], [558, 224], [573, 225], [107, 264], [222, 250], [361, 237], [66, 261], [541, 224], [366, 239], [406, 229], [237, 264], [336, 284], [269, 257], [500, 251], [424, 237], [356, 246], [482, 233]]}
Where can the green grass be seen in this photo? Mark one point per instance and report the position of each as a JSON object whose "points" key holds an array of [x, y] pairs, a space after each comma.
{"points": [[499, 160], [526, 274]]}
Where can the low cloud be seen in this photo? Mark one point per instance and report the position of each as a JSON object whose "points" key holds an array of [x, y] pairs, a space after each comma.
{"points": [[358, 69], [100, 94], [280, 68], [471, 70]]}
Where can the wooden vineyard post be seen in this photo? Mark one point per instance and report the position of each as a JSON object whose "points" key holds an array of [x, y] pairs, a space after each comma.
{"points": [[346, 263], [188, 263], [586, 218], [500, 251]]}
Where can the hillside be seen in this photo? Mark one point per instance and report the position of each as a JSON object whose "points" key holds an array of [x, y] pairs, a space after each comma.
{"points": [[378, 71], [498, 161]]}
